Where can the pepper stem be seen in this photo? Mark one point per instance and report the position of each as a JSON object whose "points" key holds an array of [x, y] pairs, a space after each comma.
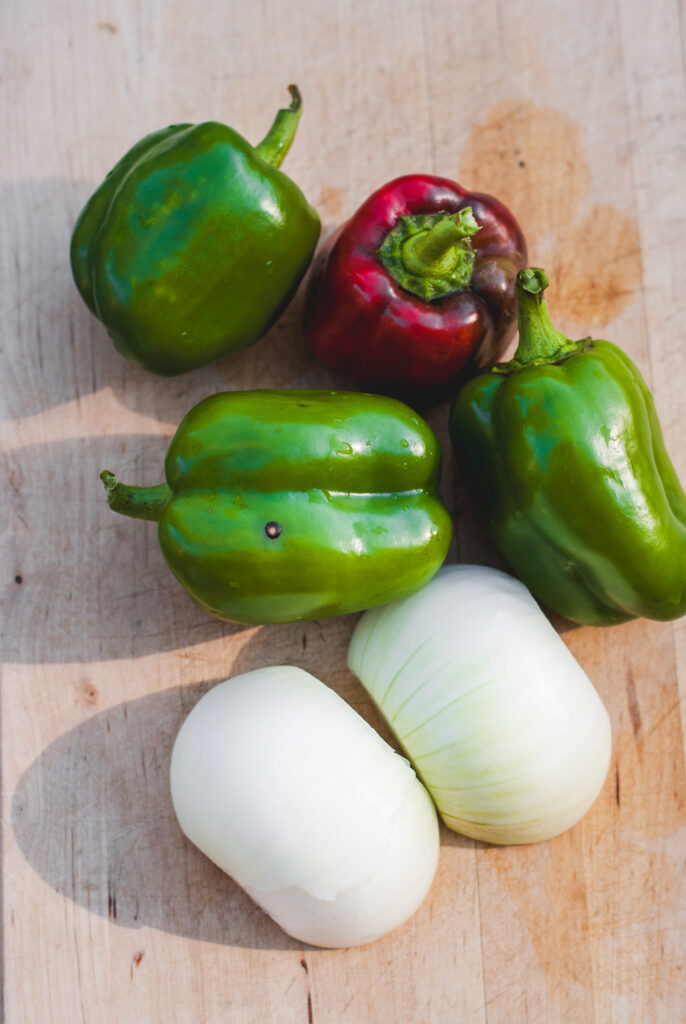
{"points": [[138, 502], [432, 253], [278, 139], [538, 339]]}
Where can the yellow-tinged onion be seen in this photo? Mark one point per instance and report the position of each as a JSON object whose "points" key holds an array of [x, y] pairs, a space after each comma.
{"points": [[500, 722], [279, 782]]}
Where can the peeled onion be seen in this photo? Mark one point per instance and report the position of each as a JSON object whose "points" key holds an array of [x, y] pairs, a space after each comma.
{"points": [[279, 782], [500, 722]]}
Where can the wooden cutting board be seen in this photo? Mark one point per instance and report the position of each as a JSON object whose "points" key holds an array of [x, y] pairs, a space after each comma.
{"points": [[574, 115]]}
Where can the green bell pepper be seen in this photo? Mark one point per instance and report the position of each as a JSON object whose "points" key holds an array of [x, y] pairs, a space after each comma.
{"points": [[194, 243], [289, 505], [562, 452]]}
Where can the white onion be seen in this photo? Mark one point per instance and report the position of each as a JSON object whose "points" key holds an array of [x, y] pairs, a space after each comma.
{"points": [[286, 788], [501, 723]]}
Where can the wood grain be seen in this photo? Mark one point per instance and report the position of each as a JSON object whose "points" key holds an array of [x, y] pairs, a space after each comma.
{"points": [[575, 115]]}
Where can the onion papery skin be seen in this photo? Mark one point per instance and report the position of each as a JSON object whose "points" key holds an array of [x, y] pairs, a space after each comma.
{"points": [[500, 721], [284, 786]]}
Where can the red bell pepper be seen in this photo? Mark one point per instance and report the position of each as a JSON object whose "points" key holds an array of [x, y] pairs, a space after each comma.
{"points": [[418, 283]]}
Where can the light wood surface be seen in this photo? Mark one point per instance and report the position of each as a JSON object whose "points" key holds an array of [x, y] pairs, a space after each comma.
{"points": [[574, 115]]}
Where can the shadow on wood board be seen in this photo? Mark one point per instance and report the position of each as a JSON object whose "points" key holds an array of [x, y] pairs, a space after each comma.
{"points": [[84, 584], [93, 817]]}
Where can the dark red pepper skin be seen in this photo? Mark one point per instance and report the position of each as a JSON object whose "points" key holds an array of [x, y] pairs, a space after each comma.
{"points": [[360, 320]]}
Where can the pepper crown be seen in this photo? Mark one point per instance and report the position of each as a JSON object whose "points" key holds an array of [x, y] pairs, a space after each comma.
{"points": [[430, 255], [137, 502], [278, 139]]}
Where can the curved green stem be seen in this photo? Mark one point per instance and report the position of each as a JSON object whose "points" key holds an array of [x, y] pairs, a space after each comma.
{"points": [[138, 502], [432, 253], [538, 339], [278, 139]]}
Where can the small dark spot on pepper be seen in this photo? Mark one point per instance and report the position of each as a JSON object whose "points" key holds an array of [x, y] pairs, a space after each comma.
{"points": [[272, 530], [18, 578]]}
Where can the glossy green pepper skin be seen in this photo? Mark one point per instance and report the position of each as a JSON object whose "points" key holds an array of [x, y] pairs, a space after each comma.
{"points": [[563, 455], [288, 505], [194, 243]]}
